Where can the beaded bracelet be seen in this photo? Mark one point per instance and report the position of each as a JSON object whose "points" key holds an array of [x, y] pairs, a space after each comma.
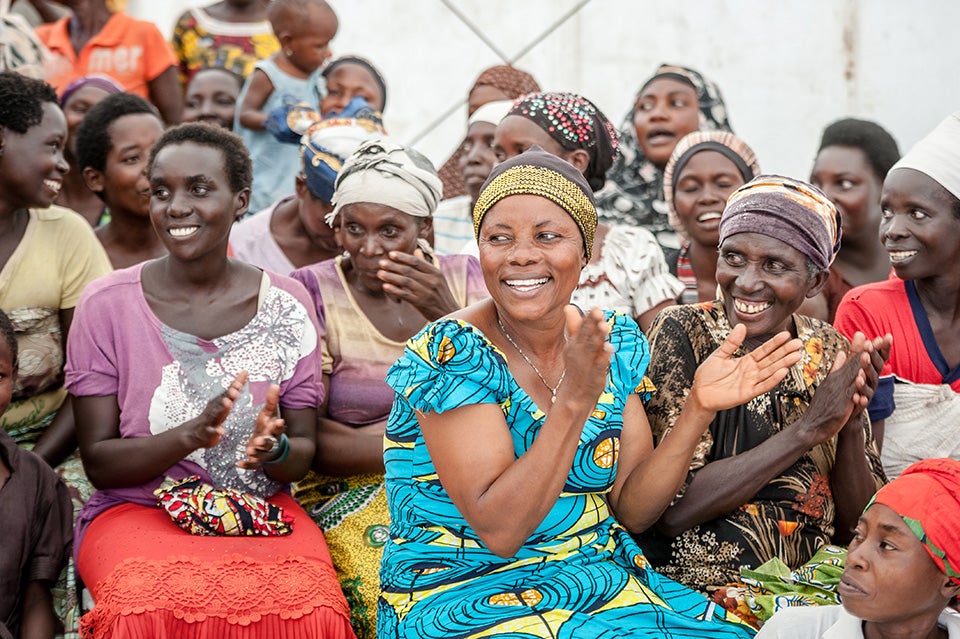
{"points": [[283, 446]]}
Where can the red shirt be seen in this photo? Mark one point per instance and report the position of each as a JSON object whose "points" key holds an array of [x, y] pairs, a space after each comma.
{"points": [[893, 306], [132, 52]]}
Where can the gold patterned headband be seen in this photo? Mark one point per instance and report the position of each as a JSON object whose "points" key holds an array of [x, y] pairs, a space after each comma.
{"points": [[546, 183]]}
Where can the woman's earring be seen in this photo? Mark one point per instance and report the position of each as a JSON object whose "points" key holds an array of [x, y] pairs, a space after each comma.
{"points": [[287, 52]]}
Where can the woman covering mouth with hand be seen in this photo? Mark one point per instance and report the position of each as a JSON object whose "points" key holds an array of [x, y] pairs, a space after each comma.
{"points": [[791, 470]]}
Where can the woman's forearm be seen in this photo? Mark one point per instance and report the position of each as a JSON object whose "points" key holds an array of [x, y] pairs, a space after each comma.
{"points": [[343, 450], [60, 437], [529, 487], [654, 482], [851, 479], [125, 462], [724, 485]]}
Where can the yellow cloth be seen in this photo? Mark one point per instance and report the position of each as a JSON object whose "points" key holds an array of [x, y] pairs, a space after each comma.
{"points": [[352, 511], [56, 259]]}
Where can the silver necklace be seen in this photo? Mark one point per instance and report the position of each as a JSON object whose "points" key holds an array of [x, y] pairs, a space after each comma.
{"points": [[553, 389]]}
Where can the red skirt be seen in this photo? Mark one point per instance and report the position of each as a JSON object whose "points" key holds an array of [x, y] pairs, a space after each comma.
{"points": [[152, 580]]}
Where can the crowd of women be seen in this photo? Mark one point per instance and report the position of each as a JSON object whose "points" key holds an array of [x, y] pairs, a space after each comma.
{"points": [[580, 382]]}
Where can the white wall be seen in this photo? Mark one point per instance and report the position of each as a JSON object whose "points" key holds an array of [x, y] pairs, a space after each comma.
{"points": [[786, 68]]}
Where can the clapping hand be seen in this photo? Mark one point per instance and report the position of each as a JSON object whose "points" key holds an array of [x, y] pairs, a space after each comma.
{"points": [[587, 353], [206, 430], [723, 381], [873, 355], [263, 445]]}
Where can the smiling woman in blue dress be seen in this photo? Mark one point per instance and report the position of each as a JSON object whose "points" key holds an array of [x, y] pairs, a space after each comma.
{"points": [[514, 531]]}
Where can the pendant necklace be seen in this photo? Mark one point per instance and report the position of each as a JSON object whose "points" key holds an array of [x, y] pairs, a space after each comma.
{"points": [[553, 389]]}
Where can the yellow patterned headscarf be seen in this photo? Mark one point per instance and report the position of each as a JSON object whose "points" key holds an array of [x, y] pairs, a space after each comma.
{"points": [[536, 172]]}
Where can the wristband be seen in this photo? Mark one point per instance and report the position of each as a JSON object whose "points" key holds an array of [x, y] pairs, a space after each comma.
{"points": [[283, 451]]}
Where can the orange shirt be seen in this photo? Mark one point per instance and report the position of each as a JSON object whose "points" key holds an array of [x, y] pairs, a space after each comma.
{"points": [[130, 51]]}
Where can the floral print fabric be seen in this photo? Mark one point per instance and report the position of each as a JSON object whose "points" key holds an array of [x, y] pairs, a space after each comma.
{"points": [[792, 516]]}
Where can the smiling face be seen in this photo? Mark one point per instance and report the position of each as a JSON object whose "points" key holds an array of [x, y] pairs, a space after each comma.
{"points": [[845, 175], [477, 157], [347, 81], [370, 231], [764, 281], [212, 97], [192, 206], [700, 195], [531, 254], [123, 182], [666, 110], [920, 228], [76, 107], [32, 166], [889, 578]]}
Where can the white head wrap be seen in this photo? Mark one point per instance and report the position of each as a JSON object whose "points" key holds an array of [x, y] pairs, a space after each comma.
{"points": [[382, 172], [938, 155], [492, 112]]}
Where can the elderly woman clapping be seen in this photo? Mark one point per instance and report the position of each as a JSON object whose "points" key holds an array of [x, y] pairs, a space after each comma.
{"points": [[518, 431], [790, 470]]}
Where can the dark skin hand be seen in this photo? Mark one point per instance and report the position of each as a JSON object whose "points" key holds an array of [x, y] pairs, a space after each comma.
{"points": [[415, 280], [851, 480], [724, 485], [113, 462]]}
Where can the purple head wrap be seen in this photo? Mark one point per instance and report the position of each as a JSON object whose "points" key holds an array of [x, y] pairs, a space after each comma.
{"points": [[789, 210]]}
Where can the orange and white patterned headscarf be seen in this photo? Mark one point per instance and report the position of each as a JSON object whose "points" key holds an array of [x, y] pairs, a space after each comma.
{"points": [[794, 212]]}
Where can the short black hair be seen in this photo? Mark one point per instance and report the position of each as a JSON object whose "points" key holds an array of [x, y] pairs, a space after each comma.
{"points": [[877, 144], [10, 335], [93, 135], [21, 101], [236, 158]]}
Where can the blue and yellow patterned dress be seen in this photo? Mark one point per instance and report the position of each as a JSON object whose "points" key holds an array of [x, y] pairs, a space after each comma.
{"points": [[578, 575]]}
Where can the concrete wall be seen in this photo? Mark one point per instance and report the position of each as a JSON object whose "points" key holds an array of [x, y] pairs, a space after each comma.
{"points": [[786, 68]]}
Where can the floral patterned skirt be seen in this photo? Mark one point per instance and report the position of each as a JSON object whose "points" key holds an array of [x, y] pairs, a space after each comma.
{"points": [[352, 512]]}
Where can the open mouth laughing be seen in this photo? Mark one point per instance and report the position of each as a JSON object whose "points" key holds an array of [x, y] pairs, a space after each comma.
{"points": [[183, 231], [527, 285], [750, 308]]}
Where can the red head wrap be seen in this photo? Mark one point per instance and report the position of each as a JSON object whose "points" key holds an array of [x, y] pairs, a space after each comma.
{"points": [[927, 497]]}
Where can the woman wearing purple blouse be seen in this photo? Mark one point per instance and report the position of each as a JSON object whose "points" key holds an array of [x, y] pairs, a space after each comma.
{"points": [[369, 301], [195, 381]]}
